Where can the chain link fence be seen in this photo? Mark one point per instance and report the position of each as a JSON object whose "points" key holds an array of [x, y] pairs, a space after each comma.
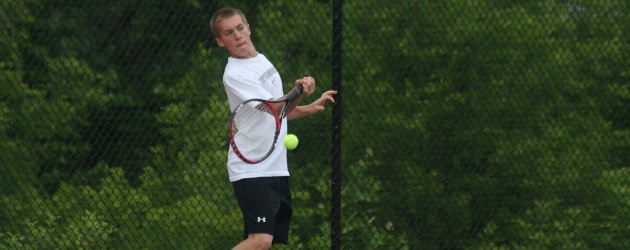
{"points": [[465, 124]]}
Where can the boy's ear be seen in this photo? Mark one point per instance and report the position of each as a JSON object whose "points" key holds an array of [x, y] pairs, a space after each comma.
{"points": [[219, 42]]}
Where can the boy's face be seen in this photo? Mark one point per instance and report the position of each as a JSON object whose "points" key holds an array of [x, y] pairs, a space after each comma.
{"points": [[235, 37]]}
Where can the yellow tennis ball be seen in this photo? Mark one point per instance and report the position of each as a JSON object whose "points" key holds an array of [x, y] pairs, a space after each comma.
{"points": [[290, 141]]}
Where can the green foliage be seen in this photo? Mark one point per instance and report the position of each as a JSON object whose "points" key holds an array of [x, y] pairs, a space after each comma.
{"points": [[117, 215], [504, 109]]}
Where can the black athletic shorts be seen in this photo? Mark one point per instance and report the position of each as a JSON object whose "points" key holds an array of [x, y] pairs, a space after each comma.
{"points": [[266, 206]]}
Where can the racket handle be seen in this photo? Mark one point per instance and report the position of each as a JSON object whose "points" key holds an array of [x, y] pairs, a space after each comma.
{"points": [[294, 93]]}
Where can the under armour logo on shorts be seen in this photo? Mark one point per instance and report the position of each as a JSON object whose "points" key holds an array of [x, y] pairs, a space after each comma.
{"points": [[263, 219]]}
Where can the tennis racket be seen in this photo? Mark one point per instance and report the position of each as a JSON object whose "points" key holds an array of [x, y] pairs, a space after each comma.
{"points": [[254, 127]]}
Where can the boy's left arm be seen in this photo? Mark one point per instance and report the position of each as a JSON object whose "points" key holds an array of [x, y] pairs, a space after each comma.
{"points": [[315, 107]]}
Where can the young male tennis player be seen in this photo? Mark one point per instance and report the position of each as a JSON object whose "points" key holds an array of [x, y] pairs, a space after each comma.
{"points": [[262, 189]]}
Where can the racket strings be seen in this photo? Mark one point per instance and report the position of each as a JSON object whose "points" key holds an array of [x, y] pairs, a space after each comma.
{"points": [[254, 126]]}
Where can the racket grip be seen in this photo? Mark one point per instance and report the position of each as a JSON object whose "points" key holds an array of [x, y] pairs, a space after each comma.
{"points": [[294, 93]]}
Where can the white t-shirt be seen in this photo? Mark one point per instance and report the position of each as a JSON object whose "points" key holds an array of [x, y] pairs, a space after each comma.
{"points": [[246, 79]]}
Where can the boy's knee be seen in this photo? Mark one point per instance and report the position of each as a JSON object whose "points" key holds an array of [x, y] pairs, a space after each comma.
{"points": [[262, 241]]}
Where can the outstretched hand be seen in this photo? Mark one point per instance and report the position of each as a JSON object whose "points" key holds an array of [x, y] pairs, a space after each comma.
{"points": [[319, 104], [315, 107]]}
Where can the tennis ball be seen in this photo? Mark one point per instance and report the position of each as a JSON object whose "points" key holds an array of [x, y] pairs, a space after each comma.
{"points": [[290, 141]]}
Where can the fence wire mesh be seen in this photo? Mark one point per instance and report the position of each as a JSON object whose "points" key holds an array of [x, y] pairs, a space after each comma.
{"points": [[466, 124]]}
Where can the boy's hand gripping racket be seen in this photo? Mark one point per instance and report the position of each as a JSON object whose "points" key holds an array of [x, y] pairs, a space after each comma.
{"points": [[254, 127]]}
